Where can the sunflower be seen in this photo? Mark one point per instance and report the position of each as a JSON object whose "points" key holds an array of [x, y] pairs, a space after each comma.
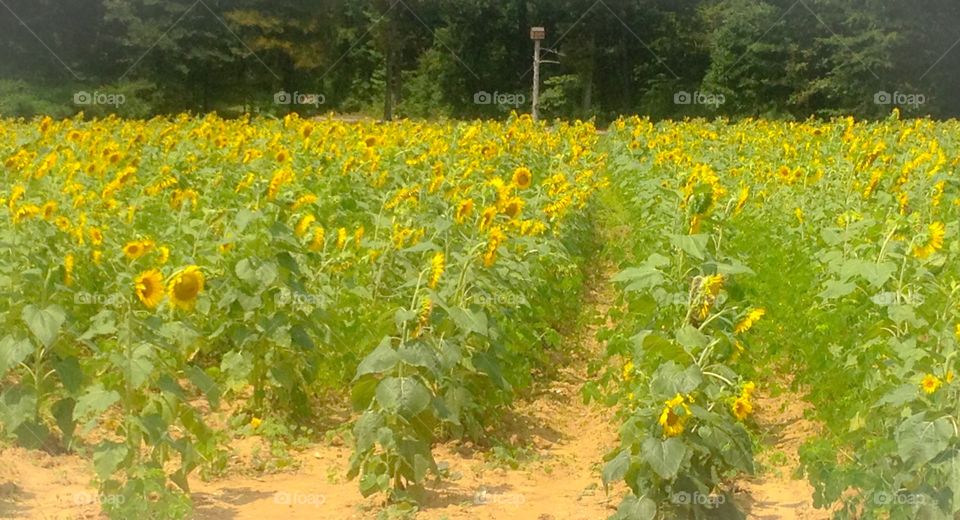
{"points": [[319, 238], [464, 208], [68, 263], [185, 286], [749, 321], [96, 236], [930, 383], [934, 241], [134, 250], [341, 238], [149, 288], [436, 269], [522, 178], [670, 420], [513, 207], [741, 407], [304, 225], [486, 218]]}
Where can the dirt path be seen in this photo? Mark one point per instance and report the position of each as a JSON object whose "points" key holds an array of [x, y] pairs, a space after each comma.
{"points": [[547, 468], [773, 493]]}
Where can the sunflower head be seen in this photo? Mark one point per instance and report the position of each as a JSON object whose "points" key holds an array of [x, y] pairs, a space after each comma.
{"points": [[149, 288], [185, 286], [741, 407], [930, 383], [133, 250], [522, 178]]}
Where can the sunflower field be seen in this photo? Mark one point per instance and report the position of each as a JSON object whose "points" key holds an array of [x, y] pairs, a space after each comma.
{"points": [[156, 271]]}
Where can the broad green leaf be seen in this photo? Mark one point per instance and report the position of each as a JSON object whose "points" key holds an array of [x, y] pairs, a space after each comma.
{"points": [[693, 245], [664, 456], [107, 457], [13, 352], [95, 401], [206, 384], [380, 361], [470, 320], [633, 508], [403, 395], [44, 323], [691, 338], [617, 468]]}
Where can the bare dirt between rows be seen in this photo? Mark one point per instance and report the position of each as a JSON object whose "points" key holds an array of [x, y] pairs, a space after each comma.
{"points": [[774, 493]]}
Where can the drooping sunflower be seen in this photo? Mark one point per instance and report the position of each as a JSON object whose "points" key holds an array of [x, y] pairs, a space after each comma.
{"points": [[741, 407], [437, 264], [304, 225], [513, 207], [749, 320], [673, 418], [149, 288], [934, 241], [185, 286], [464, 208], [522, 178]]}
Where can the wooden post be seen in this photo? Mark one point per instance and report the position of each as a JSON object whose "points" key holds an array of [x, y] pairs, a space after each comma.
{"points": [[537, 34]]}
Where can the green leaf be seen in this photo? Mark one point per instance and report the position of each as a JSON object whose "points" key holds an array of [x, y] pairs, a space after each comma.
{"points": [[919, 440], [206, 384], [633, 508], [13, 352], [617, 468], [71, 375], [403, 395], [95, 401], [664, 456], [365, 431], [834, 289], [380, 361], [137, 365], [107, 457], [693, 245], [470, 320], [691, 338], [44, 324]]}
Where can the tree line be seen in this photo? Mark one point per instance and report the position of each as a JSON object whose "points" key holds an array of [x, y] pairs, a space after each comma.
{"points": [[472, 58]]}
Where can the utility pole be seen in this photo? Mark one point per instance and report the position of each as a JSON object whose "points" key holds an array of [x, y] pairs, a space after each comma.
{"points": [[537, 34]]}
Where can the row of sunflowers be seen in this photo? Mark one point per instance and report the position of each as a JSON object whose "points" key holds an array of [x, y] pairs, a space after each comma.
{"points": [[816, 256], [158, 271]]}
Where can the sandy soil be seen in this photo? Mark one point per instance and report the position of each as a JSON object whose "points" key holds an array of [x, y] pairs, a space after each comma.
{"points": [[773, 493]]}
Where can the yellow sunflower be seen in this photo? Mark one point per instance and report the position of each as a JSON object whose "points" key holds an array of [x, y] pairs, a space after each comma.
{"points": [[522, 178], [436, 269], [930, 383], [185, 286], [741, 407], [149, 288], [670, 420]]}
